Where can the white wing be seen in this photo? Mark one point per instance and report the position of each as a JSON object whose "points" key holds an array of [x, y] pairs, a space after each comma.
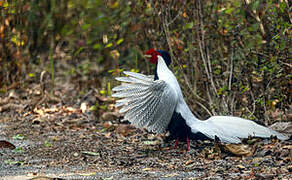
{"points": [[230, 129], [146, 103]]}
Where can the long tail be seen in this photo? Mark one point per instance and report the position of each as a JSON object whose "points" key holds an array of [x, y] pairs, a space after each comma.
{"points": [[231, 129]]}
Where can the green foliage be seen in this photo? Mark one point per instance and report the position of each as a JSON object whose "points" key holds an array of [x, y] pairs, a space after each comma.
{"points": [[226, 54], [11, 162], [48, 144], [18, 150], [18, 137]]}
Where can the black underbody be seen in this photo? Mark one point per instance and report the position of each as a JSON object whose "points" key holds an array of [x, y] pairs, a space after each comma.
{"points": [[177, 127], [180, 130]]}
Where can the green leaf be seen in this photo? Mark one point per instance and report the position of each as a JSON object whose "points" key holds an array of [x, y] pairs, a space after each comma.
{"points": [[78, 51], [120, 41], [229, 11], [255, 5], [90, 153], [109, 45], [6, 4], [189, 25], [109, 89], [18, 137], [31, 75], [10, 162], [47, 144], [93, 108], [282, 6], [103, 92], [152, 142], [17, 150], [97, 46], [85, 26], [104, 107]]}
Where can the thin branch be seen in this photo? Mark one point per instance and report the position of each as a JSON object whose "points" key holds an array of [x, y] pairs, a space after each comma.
{"points": [[232, 103], [255, 15], [210, 101], [206, 60], [231, 71], [253, 104], [166, 32]]}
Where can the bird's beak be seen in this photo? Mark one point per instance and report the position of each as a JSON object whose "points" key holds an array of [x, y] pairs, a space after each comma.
{"points": [[147, 56]]}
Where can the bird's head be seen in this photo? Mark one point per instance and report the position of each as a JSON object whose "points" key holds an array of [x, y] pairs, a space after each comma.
{"points": [[153, 55]]}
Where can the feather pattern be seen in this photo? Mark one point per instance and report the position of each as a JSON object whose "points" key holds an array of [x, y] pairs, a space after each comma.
{"points": [[151, 104], [146, 103], [231, 129]]}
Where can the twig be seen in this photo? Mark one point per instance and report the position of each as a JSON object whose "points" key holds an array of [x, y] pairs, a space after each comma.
{"points": [[166, 32], [210, 101], [231, 71], [232, 104], [253, 104], [207, 62], [255, 15]]}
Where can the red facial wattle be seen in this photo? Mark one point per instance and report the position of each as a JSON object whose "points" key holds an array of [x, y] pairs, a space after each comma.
{"points": [[154, 54]]}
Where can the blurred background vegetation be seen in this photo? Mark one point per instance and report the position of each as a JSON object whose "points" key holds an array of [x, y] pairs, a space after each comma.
{"points": [[231, 57]]}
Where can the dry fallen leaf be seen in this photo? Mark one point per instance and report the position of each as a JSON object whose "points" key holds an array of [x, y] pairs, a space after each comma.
{"points": [[240, 166], [6, 144], [39, 111], [108, 135], [239, 149], [84, 107], [88, 174], [189, 162], [147, 169], [108, 125], [110, 116], [125, 129], [171, 175], [70, 109], [287, 147]]}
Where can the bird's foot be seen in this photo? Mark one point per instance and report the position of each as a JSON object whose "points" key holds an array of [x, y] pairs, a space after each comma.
{"points": [[188, 144], [176, 144]]}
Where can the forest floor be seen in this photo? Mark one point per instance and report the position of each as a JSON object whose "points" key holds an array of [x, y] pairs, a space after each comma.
{"points": [[47, 135]]}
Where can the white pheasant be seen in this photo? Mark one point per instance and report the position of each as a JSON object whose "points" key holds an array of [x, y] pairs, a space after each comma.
{"points": [[157, 104]]}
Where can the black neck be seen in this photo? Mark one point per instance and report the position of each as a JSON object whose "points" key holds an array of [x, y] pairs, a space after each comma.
{"points": [[155, 73]]}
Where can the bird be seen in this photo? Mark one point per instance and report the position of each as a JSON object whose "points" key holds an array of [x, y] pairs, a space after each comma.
{"points": [[156, 103]]}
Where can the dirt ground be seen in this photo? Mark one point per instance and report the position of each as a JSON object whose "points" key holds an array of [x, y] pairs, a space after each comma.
{"points": [[57, 135]]}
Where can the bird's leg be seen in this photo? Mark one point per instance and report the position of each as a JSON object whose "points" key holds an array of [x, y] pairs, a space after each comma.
{"points": [[176, 143], [188, 144]]}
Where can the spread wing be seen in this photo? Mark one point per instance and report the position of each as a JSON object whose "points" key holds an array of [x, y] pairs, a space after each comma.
{"points": [[146, 103]]}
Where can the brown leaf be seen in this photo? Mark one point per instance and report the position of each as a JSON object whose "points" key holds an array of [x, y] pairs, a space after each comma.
{"points": [[107, 124], [147, 169], [108, 135], [110, 116], [124, 129], [239, 149], [5, 144], [189, 162], [70, 109], [240, 166], [287, 147], [104, 99]]}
